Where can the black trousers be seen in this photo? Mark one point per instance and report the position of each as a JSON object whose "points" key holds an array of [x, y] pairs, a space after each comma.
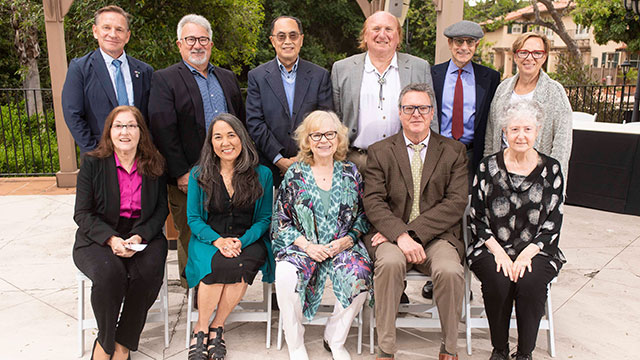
{"points": [[529, 294], [136, 281]]}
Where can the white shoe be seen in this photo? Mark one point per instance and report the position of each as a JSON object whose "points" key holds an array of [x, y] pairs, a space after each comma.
{"points": [[340, 353], [298, 354]]}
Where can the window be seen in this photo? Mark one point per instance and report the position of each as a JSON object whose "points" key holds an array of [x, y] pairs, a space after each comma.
{"points": [[610, 60], [514, 29], [595, 62], [634, 59]]}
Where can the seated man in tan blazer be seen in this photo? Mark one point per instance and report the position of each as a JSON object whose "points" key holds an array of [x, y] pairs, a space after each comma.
{"points": [[416, 227]]}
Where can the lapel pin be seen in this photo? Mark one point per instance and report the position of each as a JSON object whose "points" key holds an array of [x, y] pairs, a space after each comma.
{"points": [[136, 73]]}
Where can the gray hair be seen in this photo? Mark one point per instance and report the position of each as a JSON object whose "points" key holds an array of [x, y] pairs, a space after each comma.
{"points": [[522, 108], [194, 19], [419, 87]]}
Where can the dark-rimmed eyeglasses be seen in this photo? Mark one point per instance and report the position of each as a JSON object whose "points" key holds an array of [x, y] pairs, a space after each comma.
{"points": [[329, 135], [536, 54], [470, 41], [129, 127], [191, 40], [422, 109], [282, 36]]}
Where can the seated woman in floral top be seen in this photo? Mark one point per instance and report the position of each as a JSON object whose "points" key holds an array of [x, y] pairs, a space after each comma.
{"points": [[516, 215], [317, 226]]}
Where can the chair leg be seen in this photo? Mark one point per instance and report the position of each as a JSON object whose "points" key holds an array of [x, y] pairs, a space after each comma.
{"points": [[551, 332], [279, 341], [164, 296], [80, 317], [359, 320], [467, 308], [372, 323], [189, 314], [267, 294]]}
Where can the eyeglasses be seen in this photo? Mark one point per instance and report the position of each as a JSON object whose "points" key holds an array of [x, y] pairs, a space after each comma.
{"points": [[121, 127], [329, 135], [191, 40], [536, 54], [282, 36], [470, 41], [422, 109]]}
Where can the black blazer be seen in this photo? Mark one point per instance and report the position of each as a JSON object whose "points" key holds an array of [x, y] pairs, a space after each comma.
{"points": [[97, 209], [487, 81], [176, 114], [88, 96], [268, 120]]}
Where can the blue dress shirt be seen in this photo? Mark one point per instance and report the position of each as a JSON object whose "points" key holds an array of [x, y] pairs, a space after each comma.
{"points": [[213, 99], [289, 84], [469, 107], [126, 73]]}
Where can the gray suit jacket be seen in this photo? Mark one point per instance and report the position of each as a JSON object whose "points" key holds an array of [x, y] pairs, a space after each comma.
{"points": [[346, 78]]}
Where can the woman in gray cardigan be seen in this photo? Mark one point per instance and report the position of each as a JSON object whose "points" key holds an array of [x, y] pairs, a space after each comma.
{"points": [[531, 83]]}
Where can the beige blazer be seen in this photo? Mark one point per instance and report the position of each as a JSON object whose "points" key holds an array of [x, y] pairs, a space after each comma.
{"points": [[443, 191]]}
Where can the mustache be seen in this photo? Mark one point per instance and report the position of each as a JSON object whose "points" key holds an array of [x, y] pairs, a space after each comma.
{"points": [[197, 52]]}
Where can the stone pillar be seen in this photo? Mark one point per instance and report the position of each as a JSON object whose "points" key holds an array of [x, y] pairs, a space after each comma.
{"points": [[54, 12], [448, 12]]}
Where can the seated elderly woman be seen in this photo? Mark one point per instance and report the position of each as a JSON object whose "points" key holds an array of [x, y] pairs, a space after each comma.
{"points": [[317, 226], [516, 215], [229, 211], [121, 203]]}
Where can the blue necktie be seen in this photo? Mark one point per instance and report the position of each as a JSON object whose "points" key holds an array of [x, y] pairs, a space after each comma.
{"points": [[121, 89]]}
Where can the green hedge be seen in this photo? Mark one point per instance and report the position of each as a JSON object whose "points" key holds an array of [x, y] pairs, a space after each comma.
{"points": [[28, 144]]}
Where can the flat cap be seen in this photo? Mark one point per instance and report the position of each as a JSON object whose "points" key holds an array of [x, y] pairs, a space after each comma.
{"points": [[464, 28]]}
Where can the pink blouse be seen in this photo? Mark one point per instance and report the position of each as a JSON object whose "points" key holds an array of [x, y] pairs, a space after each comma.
{"points": [[130, 190]]}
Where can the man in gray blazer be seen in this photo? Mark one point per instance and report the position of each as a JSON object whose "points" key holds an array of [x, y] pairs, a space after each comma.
{"points": [[366, 86], [280, 93]]}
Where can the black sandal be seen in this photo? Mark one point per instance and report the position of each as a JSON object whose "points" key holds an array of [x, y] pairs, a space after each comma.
{"points": [[217, 348], [198, 351]]}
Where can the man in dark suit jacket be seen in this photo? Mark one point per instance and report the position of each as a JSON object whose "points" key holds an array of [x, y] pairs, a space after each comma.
{"points": [[415, 195], [103, 79], [281, 93], [478, 83], [184, 98]]}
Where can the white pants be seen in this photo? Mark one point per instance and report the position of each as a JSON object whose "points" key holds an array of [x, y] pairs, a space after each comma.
{"points": [[338, 324]]}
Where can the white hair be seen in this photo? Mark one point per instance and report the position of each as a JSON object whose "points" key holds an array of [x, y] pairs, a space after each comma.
{"points": [[194, 19], [529, 109]]}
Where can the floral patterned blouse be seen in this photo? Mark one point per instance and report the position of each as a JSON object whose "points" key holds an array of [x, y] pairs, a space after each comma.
{"points": [[298, 210], [517, 214]]}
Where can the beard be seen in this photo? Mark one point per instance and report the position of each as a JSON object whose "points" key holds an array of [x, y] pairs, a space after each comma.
{"points": [[198, 58]]}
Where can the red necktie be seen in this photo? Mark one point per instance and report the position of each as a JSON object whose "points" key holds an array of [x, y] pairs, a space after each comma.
{"points": [[457, 127]]}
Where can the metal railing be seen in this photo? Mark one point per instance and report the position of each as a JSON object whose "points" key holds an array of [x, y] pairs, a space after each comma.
{"points": [[28, 144], [612, 103]]}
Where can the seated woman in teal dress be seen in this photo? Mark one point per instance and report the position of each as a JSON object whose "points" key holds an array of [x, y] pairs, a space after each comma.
{"points": [[317, 228], [229, 211]]}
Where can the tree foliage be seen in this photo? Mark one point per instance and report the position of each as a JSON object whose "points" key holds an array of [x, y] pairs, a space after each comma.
{"points": [[610, 22], [420, 30], [494, 10], [235, 24]]}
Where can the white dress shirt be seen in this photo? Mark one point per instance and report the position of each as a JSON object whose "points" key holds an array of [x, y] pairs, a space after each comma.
{"points": [[377, 119], [410, 151]]}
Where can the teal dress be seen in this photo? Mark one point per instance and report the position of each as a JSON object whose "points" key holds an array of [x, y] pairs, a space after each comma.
{"points": [[299, 210], [201, 248]]}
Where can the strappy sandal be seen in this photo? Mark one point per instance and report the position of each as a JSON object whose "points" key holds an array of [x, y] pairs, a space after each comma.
{"points": [[198, 351], [217, 348]]}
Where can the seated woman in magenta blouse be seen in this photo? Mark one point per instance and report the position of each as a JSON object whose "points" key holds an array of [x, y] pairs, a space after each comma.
{"points": [[121, 202], [229, 212]]}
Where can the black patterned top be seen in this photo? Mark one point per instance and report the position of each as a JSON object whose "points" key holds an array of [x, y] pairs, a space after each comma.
{"points": [[516, 216]]}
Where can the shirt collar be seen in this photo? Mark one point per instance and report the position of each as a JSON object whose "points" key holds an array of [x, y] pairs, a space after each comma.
{"points": [[194, 70], [283, 70], [118, 165], [454, 68], [408, 142], [368, 65], [108, 59]]}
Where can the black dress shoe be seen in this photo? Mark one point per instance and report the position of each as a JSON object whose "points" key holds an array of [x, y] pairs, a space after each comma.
{"points": [[427, 290], [499, 354], [404, 299], [520, 356]]}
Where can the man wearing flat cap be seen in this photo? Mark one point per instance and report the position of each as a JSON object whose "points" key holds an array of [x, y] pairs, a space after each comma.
{"points": [[464, 91]]}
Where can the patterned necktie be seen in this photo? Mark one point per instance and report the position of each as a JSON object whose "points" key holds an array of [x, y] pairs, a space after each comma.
{"points": [[416, 173], [121, 89], [458, 105]]}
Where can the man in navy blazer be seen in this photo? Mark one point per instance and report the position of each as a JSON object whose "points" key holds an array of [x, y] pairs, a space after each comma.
{"points": [[184, 98], [281, 93], [478, 84], [103, 79]]}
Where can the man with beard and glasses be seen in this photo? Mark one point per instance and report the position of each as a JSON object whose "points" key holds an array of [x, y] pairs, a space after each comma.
{"points": [[185, 97]]}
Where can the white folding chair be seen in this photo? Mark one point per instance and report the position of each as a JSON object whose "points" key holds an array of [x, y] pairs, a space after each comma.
{"points": [[159, 311], [321, 318], [477, 318], [245, 311], [583, 116]]}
